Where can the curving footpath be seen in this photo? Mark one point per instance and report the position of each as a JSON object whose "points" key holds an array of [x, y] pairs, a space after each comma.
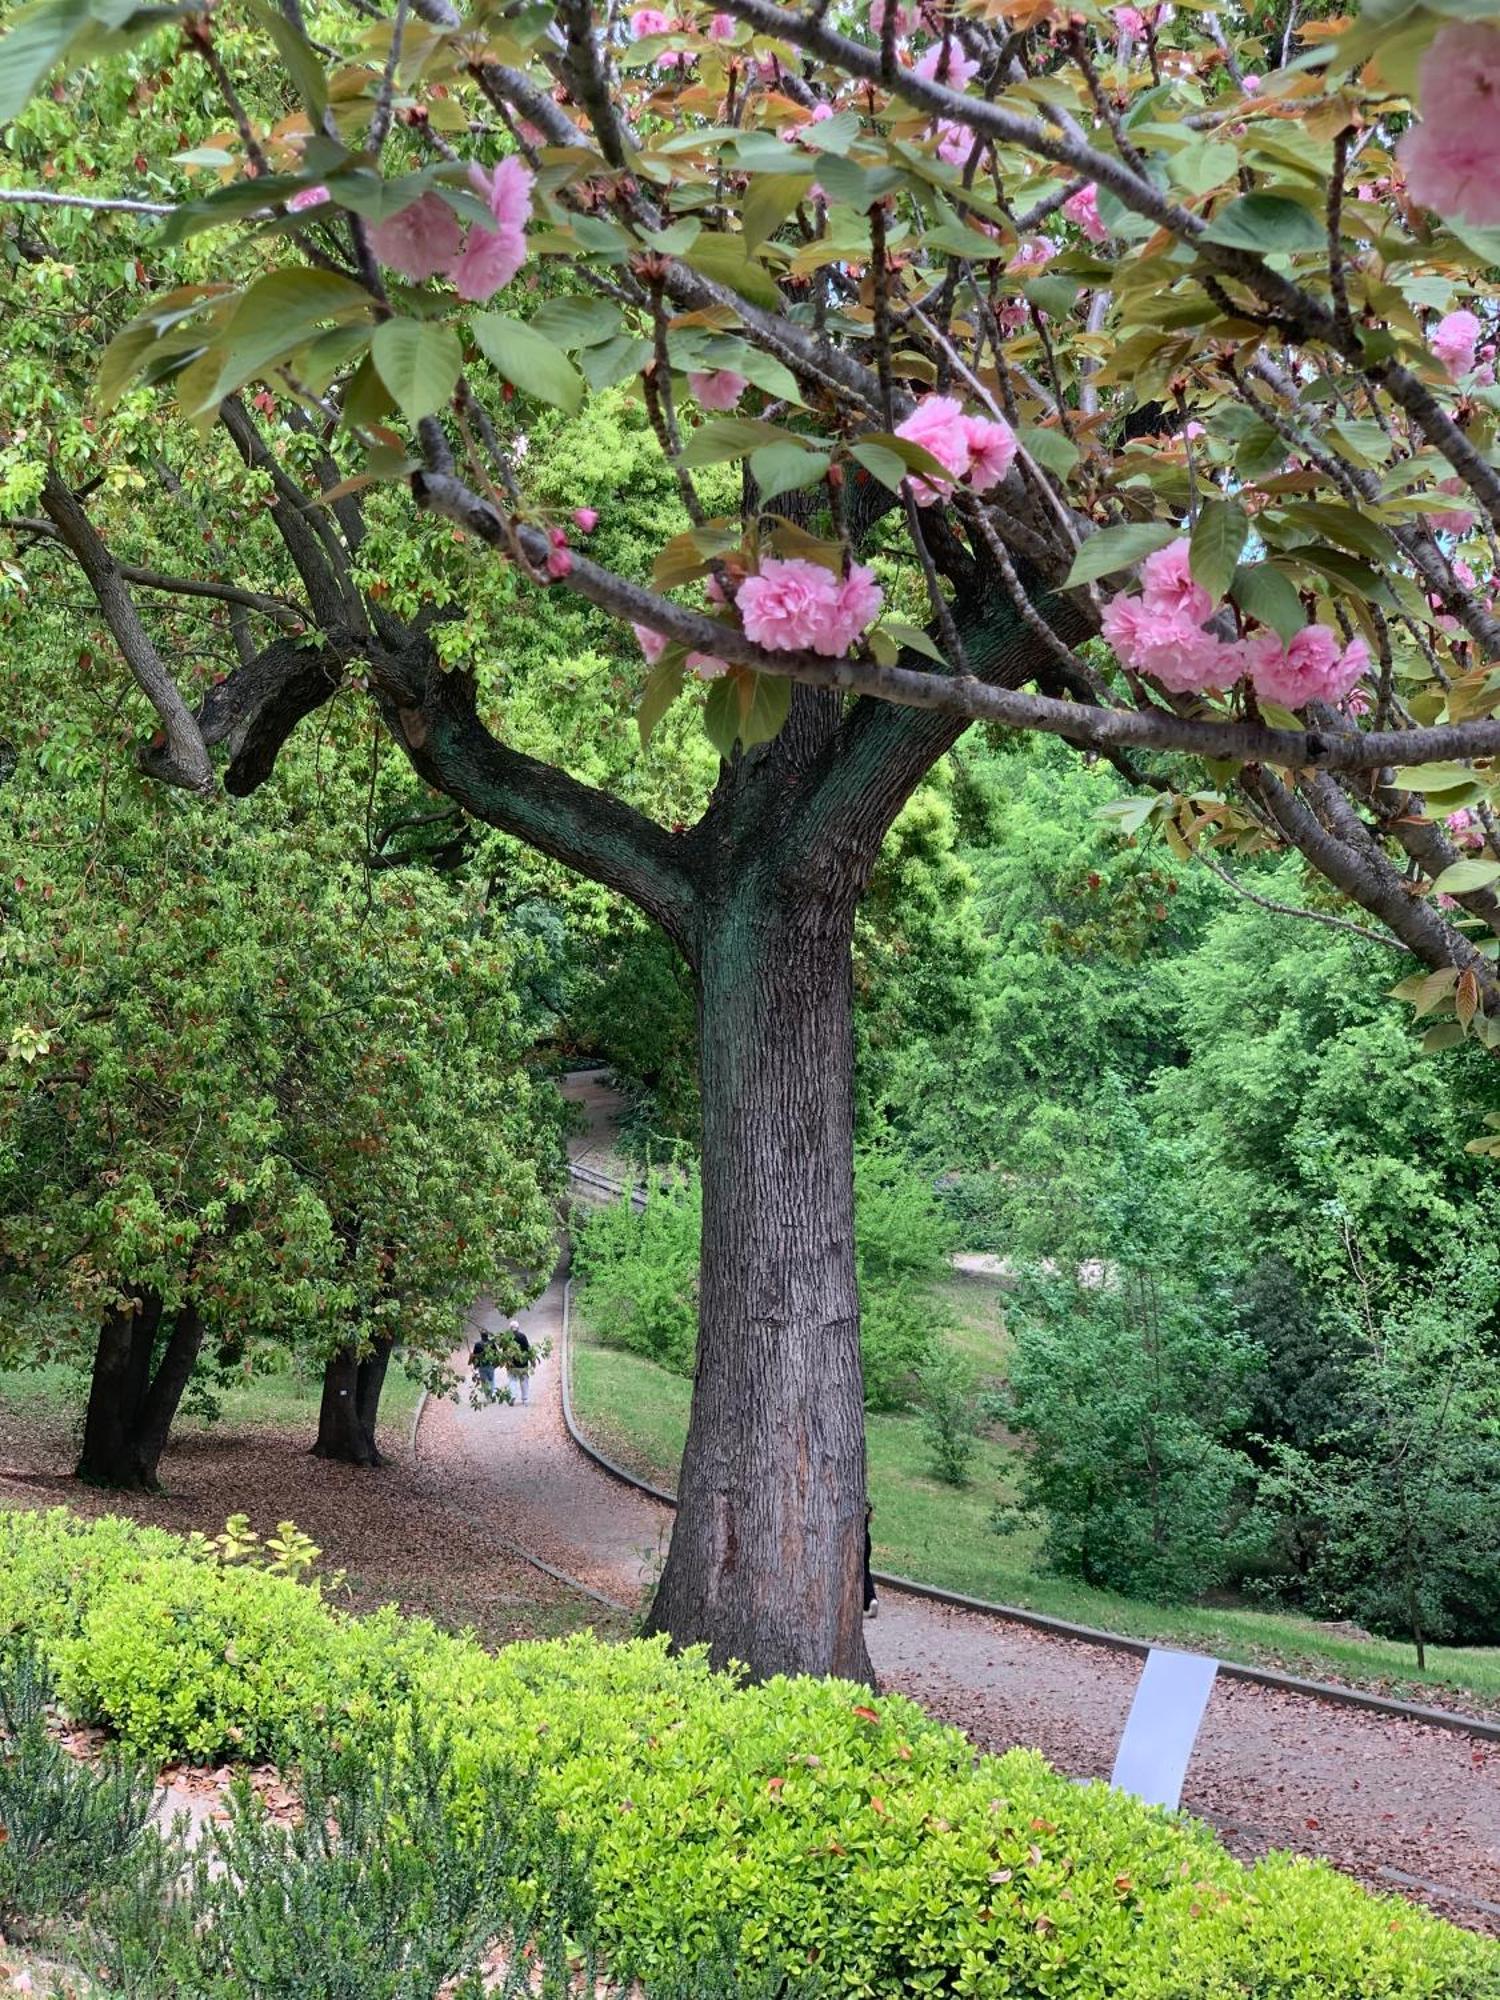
{"points": [[1398, 1802]]}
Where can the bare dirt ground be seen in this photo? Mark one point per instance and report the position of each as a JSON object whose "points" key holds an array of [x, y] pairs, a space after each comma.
{"points": [[403, 1533]]}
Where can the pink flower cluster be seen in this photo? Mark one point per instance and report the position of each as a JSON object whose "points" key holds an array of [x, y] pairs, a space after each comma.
{"points": [[1452, 155], [424, 239], [793, 605], [977, 449], [1455, 342], [717, 388], [946, 63], [1083, 208], [1161, 633]]}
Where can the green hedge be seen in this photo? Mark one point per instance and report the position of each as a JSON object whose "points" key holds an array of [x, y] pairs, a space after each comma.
{"points": [[830, 1830]]}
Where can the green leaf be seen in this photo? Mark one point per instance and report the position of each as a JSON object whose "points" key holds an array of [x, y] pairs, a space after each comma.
{"points": [[419, 362], [721, 715], [574, 322], [663, 685], [1200, 168], [764, 702], [912, 456], [1431, 777], [1050, 449], [1462, 878], [526, 358], [1261, 591], [37, 39], [786, 468], [226, 204], [275, 317], [724, 260], [1054, 296], [1268, 223], [1118, 548], [298, 57], [731, 437], [615, 362], [1349, 529], [1219, 535], [913, 638], [769, 200], [1260, 450], [881, 463], [956, 239]]}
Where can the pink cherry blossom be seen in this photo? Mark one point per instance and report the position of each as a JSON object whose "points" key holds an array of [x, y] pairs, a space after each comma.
{"points": [[1032, 254], [1168, 645], [1167, 584], [939, 426], [1464, 829], [1316, 666], [1083, 208], [420, 240], [955, 142], [649, 21], [1452, 156], [706, 667], [1130, 20], [722, 27], [717, 388], [946, 63], [1251, 84], [586, 519], [992, 447], [905, 18], [1457, 521], [488, 261], [308, 198], [652, 643], [559, 562], [1454, 341], [793, 604]]}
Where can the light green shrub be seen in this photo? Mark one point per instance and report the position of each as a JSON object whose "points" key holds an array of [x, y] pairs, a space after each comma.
{"points": [[815, 1825]]}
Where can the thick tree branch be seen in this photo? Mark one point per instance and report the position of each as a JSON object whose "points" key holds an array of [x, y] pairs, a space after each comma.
{"points": [[1103, 729], [186, 759], [435, 716]]}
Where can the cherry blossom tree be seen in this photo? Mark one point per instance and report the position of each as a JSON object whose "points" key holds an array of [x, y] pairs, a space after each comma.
{"points": [[1101, 372]]}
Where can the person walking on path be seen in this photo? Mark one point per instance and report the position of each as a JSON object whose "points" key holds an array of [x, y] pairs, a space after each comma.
{"points": [[872, 1607], [520, 1360], [484, 1359]]}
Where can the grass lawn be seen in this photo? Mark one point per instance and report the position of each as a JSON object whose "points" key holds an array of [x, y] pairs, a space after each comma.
{"points": [[936, 1534]]}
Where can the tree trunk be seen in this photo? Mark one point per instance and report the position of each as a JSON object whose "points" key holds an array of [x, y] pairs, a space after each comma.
{"points": [[351, 1404], [130, 1407], [766, 1563]]}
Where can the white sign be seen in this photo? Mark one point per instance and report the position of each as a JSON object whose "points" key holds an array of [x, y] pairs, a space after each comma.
{"points": [[1163, 1725]]}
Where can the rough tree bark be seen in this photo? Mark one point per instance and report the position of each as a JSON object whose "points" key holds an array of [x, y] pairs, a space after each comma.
{"points": [[131, 1401], [351, 1404], [767, 1551]]}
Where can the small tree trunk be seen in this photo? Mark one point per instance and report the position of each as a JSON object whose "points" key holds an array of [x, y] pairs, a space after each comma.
{"points": [[130, 1409], [159, 1407], [766, 1563], [351, 1404]]}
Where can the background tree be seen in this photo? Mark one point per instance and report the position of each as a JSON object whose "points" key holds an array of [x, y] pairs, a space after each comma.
{"points": [[254, 1095], [752, 201]]}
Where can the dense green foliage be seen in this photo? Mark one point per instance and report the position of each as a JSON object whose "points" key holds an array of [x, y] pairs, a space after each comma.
{"points": [[815, 1824], [638, 1272]]}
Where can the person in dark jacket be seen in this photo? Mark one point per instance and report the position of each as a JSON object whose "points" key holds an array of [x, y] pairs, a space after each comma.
{"points": [[872, 1608], [520, 1359]]}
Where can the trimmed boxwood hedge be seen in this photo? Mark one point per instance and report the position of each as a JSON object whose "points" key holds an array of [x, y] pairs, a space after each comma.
{"points": [[826, 1828]]}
